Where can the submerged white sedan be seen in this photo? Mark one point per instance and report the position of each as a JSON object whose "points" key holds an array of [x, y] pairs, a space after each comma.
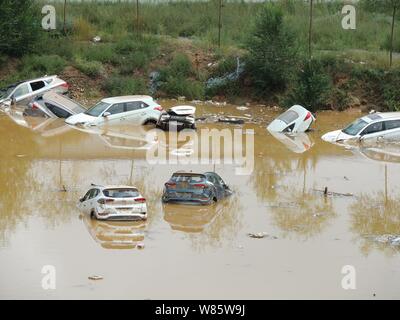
{"points": [[297, 119], [380, 126], [114, 203], [136, 109]]}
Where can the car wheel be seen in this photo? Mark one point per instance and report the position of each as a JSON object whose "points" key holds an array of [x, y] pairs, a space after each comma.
{"points": [[92, 215], [150, 122]]}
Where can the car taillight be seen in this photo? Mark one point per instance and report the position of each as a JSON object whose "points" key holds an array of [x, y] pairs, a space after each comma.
{"points": [[105, 201], [65, 85], [171, 185], [308, 116], [35, 106], [159, 108], [140, 200], [199, 186]]}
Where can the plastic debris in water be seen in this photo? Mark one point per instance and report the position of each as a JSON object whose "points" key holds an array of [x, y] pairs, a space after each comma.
{"points": [[96, 278]]}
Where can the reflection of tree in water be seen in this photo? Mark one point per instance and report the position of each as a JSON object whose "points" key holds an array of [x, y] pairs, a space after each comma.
{"points": [[302, 214], [224, 222], [14, 181], [372, 216]]}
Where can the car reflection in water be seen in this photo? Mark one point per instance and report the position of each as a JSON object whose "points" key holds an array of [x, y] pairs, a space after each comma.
{"points": [[46, 127], [296, 142], [191, 218], [125, 137], [114, 234], [381, 152]]}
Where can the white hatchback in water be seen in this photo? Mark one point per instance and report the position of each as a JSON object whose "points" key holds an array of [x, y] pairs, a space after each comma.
{"points": [[136, 109], [114, 203], [296, 119], [380, 126]]}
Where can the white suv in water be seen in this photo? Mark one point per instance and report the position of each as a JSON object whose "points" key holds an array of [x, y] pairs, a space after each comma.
{"points": [[380, 126], [114, 203], [136, 109]]}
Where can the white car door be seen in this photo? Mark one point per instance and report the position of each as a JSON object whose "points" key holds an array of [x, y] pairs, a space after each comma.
{"points": [[113, 114], [392, 132], [84, 203], [374, 131], [92, 203], [136, 111], [22, 92]]}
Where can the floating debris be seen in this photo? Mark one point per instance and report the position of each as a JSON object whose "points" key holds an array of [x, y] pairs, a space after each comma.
{"points": [[242, 108], [96, 278], [326, 193], [140, 246], [261, 235], [393, 240]]}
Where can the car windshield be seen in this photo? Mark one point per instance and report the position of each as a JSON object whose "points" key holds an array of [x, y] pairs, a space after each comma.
{"points": [[98, 109], [121, 193], [5, 92], [355, 127]]}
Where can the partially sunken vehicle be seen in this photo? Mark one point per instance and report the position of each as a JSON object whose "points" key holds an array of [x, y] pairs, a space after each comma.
{"points": [[178, 118], [296, 119], [25, 91], [114, 203], [136, 109], [197, 188], [380, 126], [53, 105]]}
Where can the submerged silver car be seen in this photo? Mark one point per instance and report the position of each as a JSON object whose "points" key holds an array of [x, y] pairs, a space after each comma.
{"points": [[53, 105], [380, 126], [24, 91]]}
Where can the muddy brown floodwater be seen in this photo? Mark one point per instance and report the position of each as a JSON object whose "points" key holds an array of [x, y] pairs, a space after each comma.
{"points": [[196, 252]]}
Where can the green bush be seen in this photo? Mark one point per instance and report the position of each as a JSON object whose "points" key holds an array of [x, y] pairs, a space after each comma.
{"points": [[272, 51], [180, 67], [117, 86], [19, 25], [391, 90], [91, 68], [132, 62], [180, 86], [104, 53], [311, 87], [35, 66]]}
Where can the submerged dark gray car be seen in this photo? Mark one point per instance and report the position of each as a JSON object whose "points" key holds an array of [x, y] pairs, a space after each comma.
{"points": [[198, 188]]}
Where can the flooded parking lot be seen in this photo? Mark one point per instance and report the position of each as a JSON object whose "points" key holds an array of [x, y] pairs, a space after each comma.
{"points": [[191, 252]]}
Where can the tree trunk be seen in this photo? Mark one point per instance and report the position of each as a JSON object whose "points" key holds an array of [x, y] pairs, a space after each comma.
{"points": [[65, 17], [392, 36], [310, 30]]}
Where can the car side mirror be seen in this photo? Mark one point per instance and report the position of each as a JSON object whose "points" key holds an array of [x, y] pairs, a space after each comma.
{"points": [[81, 200], [13, 101], [106, 114]]}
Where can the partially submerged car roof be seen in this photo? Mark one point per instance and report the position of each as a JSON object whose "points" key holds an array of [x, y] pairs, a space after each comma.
{"points": [[381, 115], [123, 99], [64, 101]]}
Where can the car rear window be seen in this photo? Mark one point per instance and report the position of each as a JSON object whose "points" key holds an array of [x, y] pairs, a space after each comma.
{"points": [[121, 193], [289, 116], [188, 178]]}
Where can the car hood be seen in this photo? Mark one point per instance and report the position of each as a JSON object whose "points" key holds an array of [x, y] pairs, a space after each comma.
{"points": [[335, 136], [80, 118]]}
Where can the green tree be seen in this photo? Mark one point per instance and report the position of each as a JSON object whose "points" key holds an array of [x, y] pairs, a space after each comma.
{"points": [[311, 88], [19, 25], [272, 50]]}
